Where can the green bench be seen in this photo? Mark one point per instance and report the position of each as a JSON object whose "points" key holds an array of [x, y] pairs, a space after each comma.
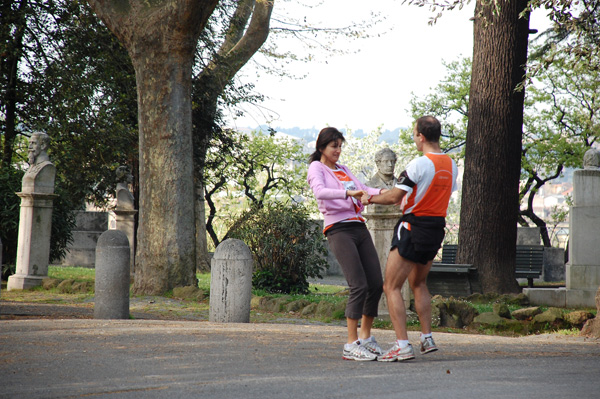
{"points": [[529, 261], [446, 278]]}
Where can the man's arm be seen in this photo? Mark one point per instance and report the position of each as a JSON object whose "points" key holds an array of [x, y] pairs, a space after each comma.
{"points": [[389, 197]]}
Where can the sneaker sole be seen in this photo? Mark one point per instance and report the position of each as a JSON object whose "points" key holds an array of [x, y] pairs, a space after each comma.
{"points": [[428, 351], [394, 359], [358, 360]]}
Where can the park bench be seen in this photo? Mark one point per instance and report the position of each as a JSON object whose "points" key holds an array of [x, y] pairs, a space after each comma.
{"points": [[529, 265], [447, 278], [530, 262]]}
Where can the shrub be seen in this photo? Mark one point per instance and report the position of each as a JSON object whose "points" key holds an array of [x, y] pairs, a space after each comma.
{"points": [[286, 245]]}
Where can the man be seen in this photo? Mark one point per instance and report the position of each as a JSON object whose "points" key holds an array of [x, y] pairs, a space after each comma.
{"points": [[385, 159], [424, 189]]}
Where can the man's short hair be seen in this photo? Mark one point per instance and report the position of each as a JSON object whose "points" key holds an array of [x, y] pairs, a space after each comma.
{"points": [[429, 127]]}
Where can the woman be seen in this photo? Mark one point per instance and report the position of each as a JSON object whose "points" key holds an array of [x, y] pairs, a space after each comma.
{"points": [[338, 192]]}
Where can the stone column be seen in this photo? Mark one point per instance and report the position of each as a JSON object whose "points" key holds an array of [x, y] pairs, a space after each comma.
{"points": [[583, 269], [381, 220], [231, 283], [112, 276], [33, 248], [126, 223], [125, 211]]}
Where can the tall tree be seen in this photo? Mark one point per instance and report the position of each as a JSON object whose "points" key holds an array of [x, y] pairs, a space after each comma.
{"points": [[490, 195], [161, 38], [246, 32]]}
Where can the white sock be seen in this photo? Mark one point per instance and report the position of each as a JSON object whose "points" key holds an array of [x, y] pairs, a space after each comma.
{"points": [[362, 341], [349, 346], [402, 343], [424, 336]]}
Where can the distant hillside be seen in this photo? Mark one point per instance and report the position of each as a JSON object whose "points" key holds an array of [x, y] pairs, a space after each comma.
{"points": [[310, 134]]}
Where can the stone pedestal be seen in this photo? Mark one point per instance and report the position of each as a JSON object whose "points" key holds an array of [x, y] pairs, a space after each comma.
{"points": [[554, 264], [33, 249], [381, 220], [126, 223], [528, 236], [583, 269]]}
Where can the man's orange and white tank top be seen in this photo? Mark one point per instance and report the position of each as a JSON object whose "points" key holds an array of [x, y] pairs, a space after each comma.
{"points": [[431, 181]]}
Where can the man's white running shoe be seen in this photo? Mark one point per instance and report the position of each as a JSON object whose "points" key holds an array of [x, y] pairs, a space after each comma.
{"points": [[358, 352]]}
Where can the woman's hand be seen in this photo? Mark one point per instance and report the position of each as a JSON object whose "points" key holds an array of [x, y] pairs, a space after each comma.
{"points": [[356, 193]]}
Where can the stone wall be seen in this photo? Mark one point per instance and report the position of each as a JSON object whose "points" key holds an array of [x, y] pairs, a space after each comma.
{"points": [[82, 251]]}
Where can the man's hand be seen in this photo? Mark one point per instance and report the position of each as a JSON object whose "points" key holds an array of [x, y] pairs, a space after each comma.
{"points": [[365, 198]]}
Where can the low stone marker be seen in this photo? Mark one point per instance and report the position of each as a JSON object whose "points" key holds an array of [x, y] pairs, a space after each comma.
{"points": [[112, 276], [231, 283]]}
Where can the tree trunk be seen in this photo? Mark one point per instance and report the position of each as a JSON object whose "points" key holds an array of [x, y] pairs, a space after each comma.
{"points": [[239, 46], [161, 40], [490, 194]]}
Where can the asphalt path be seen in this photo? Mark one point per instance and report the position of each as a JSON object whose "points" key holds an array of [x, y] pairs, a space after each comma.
{"points": [[83, 358]]}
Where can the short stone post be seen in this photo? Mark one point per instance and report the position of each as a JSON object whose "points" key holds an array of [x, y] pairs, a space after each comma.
{"points": [[112, 276], [231, 283]]}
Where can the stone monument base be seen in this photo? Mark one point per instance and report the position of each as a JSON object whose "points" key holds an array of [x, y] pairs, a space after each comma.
{"points": [[561, 297], [23, 282]]}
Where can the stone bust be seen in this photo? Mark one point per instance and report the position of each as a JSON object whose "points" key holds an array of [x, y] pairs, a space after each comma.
{"points": [[125, 201], [385, 159], [39, 178], [591, 159]]}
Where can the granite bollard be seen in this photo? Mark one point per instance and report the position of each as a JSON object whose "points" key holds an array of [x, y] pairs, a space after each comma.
{"points": [[112, 276], [231, 283]]}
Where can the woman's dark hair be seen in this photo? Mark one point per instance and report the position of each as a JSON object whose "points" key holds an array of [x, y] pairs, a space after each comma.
{"points": [[326, 136]]}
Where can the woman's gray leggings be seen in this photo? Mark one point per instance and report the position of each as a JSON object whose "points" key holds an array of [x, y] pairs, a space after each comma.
{"points": [[354, 250]]}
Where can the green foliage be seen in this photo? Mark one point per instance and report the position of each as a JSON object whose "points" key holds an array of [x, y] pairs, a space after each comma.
{"points": [[63, 222], [286, 245], [449, 102], [248, 170], [10, 183]]}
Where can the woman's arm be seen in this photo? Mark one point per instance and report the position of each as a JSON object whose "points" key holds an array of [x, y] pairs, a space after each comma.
{"points": [[324, 187]]}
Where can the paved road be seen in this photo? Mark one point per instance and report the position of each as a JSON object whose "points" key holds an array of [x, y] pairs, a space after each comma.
{"points": [[81, 358]]}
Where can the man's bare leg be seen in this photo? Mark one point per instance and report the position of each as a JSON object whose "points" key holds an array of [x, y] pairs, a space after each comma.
{"points": [[397, 270], [418, 284]]}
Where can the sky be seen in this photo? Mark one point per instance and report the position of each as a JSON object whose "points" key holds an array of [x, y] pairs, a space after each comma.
{"points": [[372, 86]]}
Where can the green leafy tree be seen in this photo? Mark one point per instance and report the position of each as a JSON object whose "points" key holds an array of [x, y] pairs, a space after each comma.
{"points": [[63, 73], [250, 171], [286, 245]]}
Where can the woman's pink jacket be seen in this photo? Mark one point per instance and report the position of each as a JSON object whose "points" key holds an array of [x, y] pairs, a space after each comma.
{"points": [[331, 194]]}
